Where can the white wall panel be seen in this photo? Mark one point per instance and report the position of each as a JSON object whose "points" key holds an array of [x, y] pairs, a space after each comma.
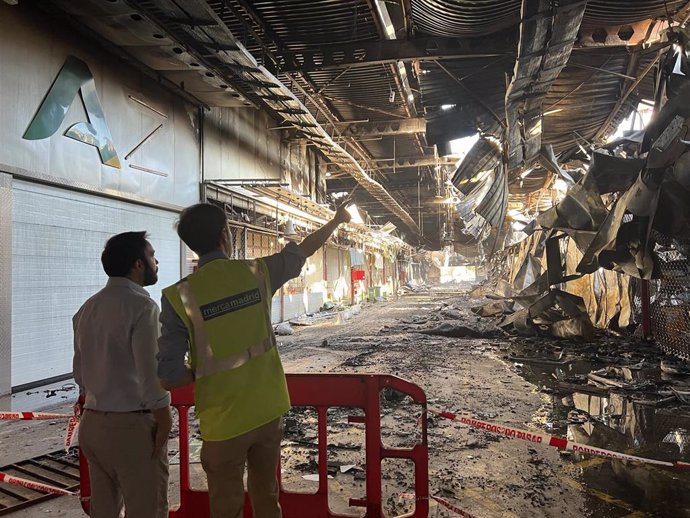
{"points": [[163, 170], [295, 305], [275, 308], [57, 240], [315, 301]]}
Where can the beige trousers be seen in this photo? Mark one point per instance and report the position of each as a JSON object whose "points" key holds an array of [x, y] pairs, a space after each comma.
{"points": [[224, 461], [119, 448]]}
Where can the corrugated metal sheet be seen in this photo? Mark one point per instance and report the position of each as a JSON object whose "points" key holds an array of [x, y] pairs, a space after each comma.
{"points": [[493, 207], [301, 23], [601, 13], [464, 17]]}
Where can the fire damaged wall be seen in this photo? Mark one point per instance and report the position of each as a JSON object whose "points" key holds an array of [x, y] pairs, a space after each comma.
{"points": [[243, 144]]}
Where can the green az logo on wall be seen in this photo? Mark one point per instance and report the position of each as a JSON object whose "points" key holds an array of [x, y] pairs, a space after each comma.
{"points": [[74, 77]]}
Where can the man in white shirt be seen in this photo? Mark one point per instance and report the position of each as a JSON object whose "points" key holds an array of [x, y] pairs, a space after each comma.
{"points": [[126, 417]]}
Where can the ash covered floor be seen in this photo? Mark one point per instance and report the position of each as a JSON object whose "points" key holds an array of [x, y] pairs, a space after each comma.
{"points": [[477, 471], [531, 383]]}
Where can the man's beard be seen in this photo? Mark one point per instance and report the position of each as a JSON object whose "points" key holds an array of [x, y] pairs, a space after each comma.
{"points": [[150, 275]]}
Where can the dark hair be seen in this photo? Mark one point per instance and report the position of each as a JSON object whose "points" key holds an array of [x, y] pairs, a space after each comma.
{"points": [[201, 227], [122, 251]]}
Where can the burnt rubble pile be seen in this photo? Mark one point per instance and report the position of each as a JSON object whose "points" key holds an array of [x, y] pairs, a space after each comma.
{"points": [[625, 217]]}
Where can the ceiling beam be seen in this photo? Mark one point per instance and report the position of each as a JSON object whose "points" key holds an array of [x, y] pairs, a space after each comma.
{"points": [[404, 162], [368, 130], [390, 52], [387, 52], [381, 128], [622, 35]]}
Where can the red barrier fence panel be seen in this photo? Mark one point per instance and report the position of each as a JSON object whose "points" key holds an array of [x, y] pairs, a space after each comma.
{"points": [[321, 391]]}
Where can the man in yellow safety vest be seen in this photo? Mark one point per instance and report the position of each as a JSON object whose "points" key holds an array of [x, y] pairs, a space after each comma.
{"points": [[221, 314]]}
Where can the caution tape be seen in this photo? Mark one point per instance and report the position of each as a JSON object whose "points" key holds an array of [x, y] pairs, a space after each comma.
{"points": [[37, 486], [72, 426], [453, 508], [72, 421], [28, 416], [552, 440]]}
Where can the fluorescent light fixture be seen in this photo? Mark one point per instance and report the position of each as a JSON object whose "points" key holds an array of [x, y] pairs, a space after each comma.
{"points": [[329, 175], [550, 112], [446, 107]]}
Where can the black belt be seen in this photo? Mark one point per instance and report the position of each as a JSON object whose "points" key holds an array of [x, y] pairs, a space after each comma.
{"points": [[112, 412]]}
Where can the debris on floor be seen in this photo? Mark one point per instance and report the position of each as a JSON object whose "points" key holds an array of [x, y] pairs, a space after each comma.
{"points": [[284, 329], [614, 392]]}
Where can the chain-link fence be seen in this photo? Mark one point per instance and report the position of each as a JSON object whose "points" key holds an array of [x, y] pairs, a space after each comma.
{"points": [[248, 243], [238, 241], [670, 297], [260, 244]]}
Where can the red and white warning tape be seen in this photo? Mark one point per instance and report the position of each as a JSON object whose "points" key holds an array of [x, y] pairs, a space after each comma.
{"points": [[26, 416], [72, 426], [551, 440], [72, 421], [37, 486], [453, 508]]}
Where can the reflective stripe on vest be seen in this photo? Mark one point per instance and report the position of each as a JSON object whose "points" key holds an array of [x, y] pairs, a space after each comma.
{"points": [[206, 362]]}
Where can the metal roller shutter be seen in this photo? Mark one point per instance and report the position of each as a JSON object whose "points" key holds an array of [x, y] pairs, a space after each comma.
{"points": [[57, 238]]}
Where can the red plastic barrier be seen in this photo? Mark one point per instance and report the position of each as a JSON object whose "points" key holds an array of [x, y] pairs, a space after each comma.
{"points": [[321, 391]]}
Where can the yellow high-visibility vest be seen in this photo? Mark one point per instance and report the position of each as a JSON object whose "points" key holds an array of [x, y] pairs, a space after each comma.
{"points": [[240, 384]]}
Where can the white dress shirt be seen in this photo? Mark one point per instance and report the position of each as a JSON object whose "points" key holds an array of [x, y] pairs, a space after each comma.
{"points": [[115, 346]]}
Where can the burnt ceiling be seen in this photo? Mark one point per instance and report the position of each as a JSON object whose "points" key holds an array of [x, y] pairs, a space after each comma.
{"points": [[381, 87]]}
